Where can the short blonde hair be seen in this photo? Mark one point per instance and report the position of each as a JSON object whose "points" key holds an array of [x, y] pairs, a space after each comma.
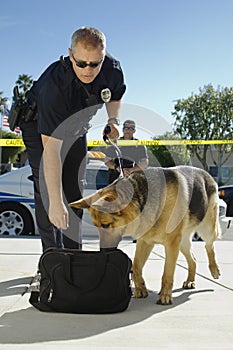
{"points": [[89, 36]]}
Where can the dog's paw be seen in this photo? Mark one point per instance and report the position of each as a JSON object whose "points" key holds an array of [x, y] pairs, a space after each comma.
{"points": [[215, 272], [189, 285], [164, 299], [140, 292]]}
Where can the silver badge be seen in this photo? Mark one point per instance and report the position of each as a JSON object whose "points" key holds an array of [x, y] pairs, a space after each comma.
{"points": [[106, 95]]}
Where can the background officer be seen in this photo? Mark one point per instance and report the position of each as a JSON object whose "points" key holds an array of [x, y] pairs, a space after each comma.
{"points": [[133, 158]]}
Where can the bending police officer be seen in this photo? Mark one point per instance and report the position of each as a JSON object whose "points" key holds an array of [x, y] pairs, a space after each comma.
{"points": [[67, 95]]}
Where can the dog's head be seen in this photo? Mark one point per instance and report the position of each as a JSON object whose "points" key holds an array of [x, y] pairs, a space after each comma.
{"points": [[113, 210]]}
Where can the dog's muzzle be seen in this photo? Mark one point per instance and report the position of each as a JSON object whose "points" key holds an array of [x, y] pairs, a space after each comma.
{"points": [[108, 249]]}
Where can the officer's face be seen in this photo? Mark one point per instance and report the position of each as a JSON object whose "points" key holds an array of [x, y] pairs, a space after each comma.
{"points": [[87, 61], [128, 131]]}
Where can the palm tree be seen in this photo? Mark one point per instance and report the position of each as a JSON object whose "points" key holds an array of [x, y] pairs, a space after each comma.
{"points": [[24, 83]]}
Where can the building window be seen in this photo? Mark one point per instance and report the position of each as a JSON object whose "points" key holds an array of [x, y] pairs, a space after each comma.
{"points": [[227, 171]]}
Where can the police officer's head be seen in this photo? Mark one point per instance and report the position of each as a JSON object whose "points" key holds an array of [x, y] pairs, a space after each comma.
{"points": [[128, 129], [87, 52]]}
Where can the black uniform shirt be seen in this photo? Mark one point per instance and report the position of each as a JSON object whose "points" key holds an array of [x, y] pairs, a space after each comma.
{"points": [[59, 95]]}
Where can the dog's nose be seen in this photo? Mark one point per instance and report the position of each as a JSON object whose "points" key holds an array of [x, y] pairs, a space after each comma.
{"points": [[105, 225], [108, 249]]}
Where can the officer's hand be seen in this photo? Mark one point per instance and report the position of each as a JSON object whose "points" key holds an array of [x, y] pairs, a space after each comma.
{"points": [[58, 215], [111, 131], [127, 171]]}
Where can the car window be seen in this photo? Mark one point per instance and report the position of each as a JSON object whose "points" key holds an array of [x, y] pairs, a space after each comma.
{"points": [[228, 193], [225, 192], [96, 179]]}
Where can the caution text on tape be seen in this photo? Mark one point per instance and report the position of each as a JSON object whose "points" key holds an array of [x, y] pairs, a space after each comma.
{"points": [[100, 143]]}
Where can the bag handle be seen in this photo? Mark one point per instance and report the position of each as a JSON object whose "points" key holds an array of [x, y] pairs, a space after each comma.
{"points": [[67, 267], [100, 264]]}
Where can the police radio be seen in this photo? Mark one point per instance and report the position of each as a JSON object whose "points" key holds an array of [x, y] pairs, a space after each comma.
{"points": [[16, 110]]}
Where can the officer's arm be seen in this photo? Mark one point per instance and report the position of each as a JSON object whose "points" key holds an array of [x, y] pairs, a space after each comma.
{"points": [[113, 110], [142, 164], [143, 159], [58, 214], [109, 162]]}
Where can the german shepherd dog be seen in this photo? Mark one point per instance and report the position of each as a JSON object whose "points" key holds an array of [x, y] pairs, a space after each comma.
{"points": [[159, 205]]}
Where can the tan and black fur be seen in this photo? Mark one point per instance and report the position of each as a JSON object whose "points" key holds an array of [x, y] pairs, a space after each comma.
{"points": [[159, 205]]}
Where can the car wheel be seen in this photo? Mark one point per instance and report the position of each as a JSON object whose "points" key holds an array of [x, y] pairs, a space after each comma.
{"points": [[15, 220]]}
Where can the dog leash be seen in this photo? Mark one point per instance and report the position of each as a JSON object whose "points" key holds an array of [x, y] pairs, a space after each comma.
{"points": [[108, 141]]}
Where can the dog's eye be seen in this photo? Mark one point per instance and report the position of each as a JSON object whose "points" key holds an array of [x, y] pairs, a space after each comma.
{"points": [[105, 225]]}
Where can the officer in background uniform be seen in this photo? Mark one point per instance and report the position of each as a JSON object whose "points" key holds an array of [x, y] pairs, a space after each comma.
{"points": [[67, 95], [133, 158]]}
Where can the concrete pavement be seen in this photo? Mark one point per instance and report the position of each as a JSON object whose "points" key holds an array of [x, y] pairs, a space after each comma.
{"points": [[198, 319]]}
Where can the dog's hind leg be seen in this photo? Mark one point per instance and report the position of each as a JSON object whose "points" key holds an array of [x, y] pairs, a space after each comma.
{"points": [[209, 231], [209, 239], [185, 248], [143, 250], [213, 266]]}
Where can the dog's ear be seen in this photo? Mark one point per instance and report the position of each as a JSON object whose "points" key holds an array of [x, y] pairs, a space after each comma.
{"points": [[105, 199], [81, 203], [103, 205], [86, 202], [109, 203], [114, 197]]}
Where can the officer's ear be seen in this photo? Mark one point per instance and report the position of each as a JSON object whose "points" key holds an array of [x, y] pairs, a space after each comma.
{"points": [[70, 52]]}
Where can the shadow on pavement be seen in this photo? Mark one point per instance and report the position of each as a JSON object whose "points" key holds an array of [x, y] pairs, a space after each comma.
{"points": [[17, 286], [32, 326]]}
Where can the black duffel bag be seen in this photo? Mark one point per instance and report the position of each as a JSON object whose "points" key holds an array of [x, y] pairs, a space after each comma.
{"points": [[90, 282]]}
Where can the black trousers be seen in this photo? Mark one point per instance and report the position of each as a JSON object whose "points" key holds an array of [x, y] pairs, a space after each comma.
{"points": [[73, 176]]}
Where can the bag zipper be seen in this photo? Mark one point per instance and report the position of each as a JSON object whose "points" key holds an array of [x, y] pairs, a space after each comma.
{"points": [[50, 295]]}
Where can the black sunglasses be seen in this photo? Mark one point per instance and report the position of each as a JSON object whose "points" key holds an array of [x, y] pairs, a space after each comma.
{"points": [[131, 128], [83, 64]]}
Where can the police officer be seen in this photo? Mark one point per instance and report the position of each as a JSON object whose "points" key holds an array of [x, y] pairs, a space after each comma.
{"points": [[133, 158], [67, 95]]}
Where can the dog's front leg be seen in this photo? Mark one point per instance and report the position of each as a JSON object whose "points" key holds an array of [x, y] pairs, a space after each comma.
{"points": [[142, 253], [171, 252]]}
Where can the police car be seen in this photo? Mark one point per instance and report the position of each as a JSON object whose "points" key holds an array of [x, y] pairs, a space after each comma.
{"points": [[17, 207]]}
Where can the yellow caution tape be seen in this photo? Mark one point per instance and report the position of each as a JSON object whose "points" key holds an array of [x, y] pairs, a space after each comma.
{"points": [[11, 142], [100, 143]]}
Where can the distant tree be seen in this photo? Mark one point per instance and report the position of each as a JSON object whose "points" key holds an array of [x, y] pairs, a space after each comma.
{"points": [[206, 116], [24, 83], [10, 154], [168, 155]]}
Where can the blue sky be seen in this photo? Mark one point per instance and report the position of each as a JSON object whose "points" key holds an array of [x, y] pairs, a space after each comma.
{"points": [[168, 48]]}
